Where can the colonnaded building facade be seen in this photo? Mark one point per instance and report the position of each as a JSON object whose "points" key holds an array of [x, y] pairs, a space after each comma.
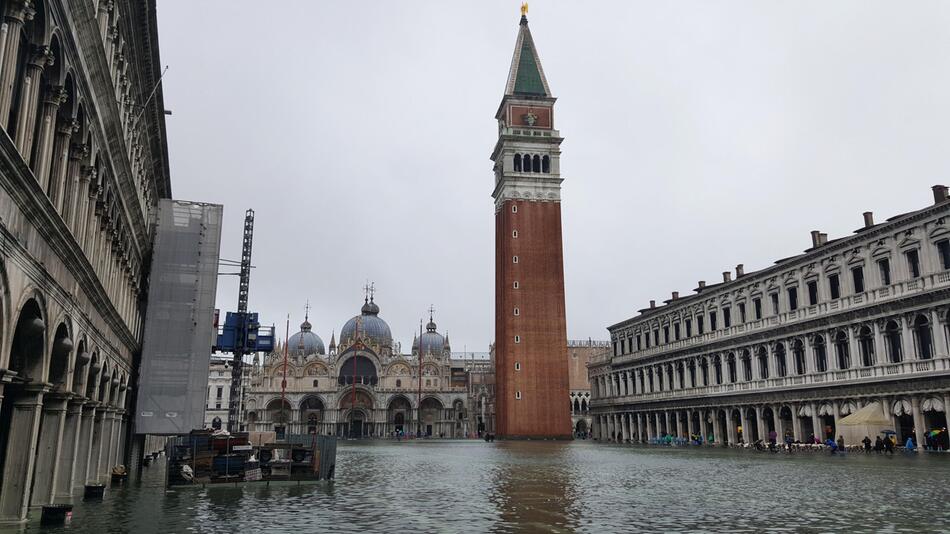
{"points": [[364, 386], [793, 348], [83, 162]]}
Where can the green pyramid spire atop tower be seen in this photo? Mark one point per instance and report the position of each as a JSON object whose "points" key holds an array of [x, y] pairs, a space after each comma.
{"points": [[526, 77]]}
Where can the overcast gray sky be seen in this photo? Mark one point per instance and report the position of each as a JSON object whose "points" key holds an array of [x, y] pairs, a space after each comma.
{"points": [[698, 135]]}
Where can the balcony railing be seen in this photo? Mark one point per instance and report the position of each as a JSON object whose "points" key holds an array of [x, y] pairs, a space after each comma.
{"points": [[845, 303], [937, 366]]}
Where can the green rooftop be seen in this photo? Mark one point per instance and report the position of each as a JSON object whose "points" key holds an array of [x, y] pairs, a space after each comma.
{"points": [[528, 80]]}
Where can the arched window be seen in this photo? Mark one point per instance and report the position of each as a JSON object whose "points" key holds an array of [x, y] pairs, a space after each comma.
{"points": [[866, 346], [821, 355], [398, 383], [841, 350], [669, 377], [746, 366], [892, 338], [798, 352], [704, 371], [731, 364], [681, 375], [545, 164], [923, 338], [717, 364], [526, 163], [781, 365], [692, 373], [536, 164], [763, 357], [517, 162]]}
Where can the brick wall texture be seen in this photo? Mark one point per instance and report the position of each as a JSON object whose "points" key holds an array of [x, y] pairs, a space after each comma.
{"points": [[543, 410]]}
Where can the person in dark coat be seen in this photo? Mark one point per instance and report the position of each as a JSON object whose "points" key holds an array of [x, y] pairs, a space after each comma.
{"points": [[888, 445], [867, 444], [878, 445]]}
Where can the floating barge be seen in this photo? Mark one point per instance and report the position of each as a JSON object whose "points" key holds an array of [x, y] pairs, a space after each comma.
{"points": [[205, 457]]}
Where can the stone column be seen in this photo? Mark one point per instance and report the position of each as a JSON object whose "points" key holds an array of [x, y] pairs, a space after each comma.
{"points": [[920, 425], [796, 422], [760, 424], [669, 424], [70, 450], [39, 58], [744, 420], [715, 425], [678, 426], [640, 435], [689, 423], [777, 420], [731, 427], [816, 423], [53, 97], [84, 446], [60, 180], [938, 335], [95, 452], [17, 12], [48, 460], [836, 406], [21, 455]]}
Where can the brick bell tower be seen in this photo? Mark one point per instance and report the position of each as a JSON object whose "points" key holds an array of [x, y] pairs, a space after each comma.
{"points": [[531, 372]]}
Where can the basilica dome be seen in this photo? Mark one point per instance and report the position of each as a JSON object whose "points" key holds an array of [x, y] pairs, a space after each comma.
{"points": [[371, 327], [305, 342], [432, 342]]}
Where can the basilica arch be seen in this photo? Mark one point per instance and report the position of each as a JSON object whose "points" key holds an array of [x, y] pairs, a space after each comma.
{"points": [[399, 415]]}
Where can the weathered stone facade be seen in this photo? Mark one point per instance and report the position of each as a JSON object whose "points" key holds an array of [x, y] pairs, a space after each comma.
{"points": [[82, 164], [793, 348], [362, 387]]}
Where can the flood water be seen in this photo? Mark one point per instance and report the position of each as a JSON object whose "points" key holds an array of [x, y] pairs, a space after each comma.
{"points": [[472, 486]]}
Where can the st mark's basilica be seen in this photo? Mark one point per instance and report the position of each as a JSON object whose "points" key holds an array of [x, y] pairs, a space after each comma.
{"points": [[364, 386]]}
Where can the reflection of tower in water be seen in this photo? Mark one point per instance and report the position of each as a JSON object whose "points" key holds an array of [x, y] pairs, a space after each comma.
{"points": [[533, 489]]}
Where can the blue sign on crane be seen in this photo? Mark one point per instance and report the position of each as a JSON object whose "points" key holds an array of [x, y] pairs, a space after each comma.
{"points": [[242, 332]]}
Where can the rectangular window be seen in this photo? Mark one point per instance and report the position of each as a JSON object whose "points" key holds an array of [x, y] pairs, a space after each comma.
{"points": [[757, 305], [712, 321], [812, 292], [742, 312], [943, 248], [647, 338], [666, 334], [656, 337], [639, 346], [220, 392], [857, 276], [726, 317], [699, 325], [834, 287], [217, 406], [884, 266], [774, 297], [689, 328], [793, 298], [517, 366], [676, 331], [913, 263]]}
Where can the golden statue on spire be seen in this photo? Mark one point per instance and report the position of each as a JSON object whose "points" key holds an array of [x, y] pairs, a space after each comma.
{"points": [[524, 9]]}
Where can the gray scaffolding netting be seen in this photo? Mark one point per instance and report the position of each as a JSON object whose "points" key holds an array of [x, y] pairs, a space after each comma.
{"points": [[179, 320]]}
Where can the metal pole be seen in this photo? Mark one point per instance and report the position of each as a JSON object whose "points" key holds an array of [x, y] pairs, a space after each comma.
{"points": [[235, 401], [419, 399]]}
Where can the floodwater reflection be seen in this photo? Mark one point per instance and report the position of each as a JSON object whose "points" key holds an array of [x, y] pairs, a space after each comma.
{"points": [[472, 486]]}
